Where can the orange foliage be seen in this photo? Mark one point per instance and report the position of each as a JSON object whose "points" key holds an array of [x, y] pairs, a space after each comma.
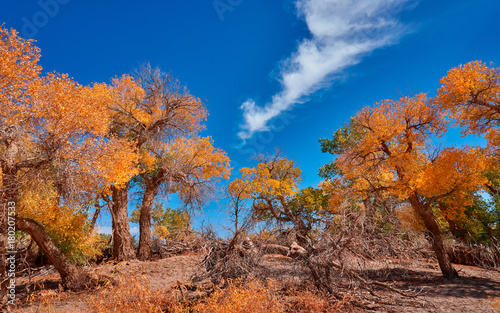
{"points": [[19, 68], [274, 179], [272, 185], [162, 120], [337, 193], [471, 95], [54, 131], [146, 115], [391, 154], [197, 161]]}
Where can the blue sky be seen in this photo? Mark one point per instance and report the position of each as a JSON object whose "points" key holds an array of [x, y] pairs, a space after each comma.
{"points": [[272, 73]]}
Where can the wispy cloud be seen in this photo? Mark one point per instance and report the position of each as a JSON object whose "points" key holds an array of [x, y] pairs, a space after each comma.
{"points": [[343, 31]]}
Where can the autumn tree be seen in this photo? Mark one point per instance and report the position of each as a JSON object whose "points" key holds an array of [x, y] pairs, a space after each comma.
{"points": [[53, 147], [237, 208], [391, 155], [272, 187], [162, 119]]}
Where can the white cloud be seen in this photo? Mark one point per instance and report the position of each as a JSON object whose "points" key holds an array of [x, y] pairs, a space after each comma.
{"points": [[343, 31]]}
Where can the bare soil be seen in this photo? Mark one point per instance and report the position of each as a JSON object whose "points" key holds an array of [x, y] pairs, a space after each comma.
{"points": [[473, 292]]}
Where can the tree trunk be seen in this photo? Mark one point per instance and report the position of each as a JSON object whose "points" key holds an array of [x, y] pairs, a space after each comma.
{"points": [[145, 219], [72, 277], [301, 232], [122, 240], [432, 226], [94, 218]]}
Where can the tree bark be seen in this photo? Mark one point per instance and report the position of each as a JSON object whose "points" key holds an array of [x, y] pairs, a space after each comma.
{"points": [[145, 219], [72, 277], [94, 218], [424, 211], [301, 231], [122, 240]]}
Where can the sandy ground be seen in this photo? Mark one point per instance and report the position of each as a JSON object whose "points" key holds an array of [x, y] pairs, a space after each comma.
{"points": [[473, 292], [161, 274]]}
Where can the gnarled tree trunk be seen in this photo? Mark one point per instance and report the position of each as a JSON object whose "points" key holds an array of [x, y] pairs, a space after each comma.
{"points": [[424, 211], [122, 240], [72, 277], [301, 231], [145, 218]]}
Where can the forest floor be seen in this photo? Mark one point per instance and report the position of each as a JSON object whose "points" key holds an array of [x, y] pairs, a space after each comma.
{"points": [[478, 290]]}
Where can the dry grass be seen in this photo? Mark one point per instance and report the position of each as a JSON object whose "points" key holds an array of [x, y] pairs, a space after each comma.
{"points": [[132, 295], [255, 295], [310, 300], [129, 295], [242, 297], [43, 300]]}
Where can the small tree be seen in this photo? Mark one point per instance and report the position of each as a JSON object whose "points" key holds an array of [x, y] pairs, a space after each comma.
{"points": [[237, 208], [272, 186]]}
